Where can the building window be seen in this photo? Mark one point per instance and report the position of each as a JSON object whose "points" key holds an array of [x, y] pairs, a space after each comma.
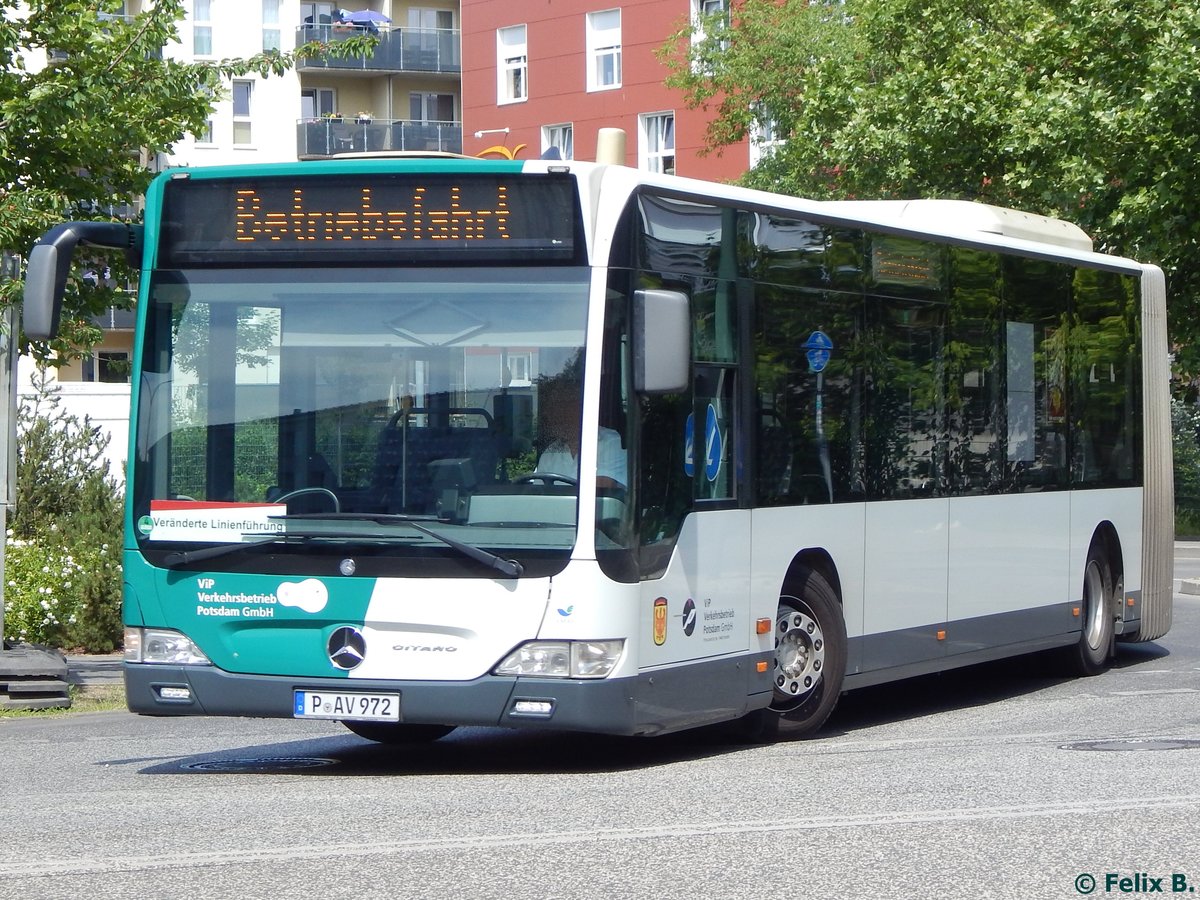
{"points": [[206, 134], [271, 33], [656, 142], [433, 30], [107, 367], [765, 137], [604, 50], [316, 13], [317, 102], [520, 369], [708, 16], [560, 138], [512, 65], [424, 107], [430, 19], [242, 93], [202, 28]]}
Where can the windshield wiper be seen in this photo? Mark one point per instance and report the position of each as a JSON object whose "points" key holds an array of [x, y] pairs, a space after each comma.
{"points": [[183, 557], [508, 567]]}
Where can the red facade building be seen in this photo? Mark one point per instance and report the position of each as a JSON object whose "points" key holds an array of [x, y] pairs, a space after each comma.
{"points": [[553, 72]]}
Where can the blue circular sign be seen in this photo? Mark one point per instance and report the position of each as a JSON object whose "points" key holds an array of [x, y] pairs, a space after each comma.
{"points": [[818, 348]]}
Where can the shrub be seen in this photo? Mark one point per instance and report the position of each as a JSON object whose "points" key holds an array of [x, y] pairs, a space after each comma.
{"points": [[63, 576], [41, 600], [1185, 433]]}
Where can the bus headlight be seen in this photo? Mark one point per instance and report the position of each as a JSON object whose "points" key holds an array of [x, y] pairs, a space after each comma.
{"points": [[162, 646], [563, 659]]}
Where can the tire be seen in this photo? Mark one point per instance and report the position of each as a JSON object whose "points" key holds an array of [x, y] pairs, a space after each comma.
{"points": [[389, 733], [810, 662], [1097, 638]]}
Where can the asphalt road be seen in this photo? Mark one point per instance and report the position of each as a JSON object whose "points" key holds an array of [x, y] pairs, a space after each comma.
{"points": [[1004, 781]]}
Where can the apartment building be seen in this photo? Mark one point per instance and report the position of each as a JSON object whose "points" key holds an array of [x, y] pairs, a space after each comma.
{"points": [[539, 75], [404, 95]]}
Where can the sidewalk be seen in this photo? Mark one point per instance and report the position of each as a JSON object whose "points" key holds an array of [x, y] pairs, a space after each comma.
{"points": [[95, 670]]}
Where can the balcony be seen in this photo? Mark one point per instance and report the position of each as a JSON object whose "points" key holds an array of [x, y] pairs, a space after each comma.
{"points": [[317, 138], [426, 50], [113, 319]]}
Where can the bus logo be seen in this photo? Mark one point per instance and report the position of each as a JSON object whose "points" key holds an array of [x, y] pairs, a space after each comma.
{"points": [[660, 621], [347, 647], [689, 617]]}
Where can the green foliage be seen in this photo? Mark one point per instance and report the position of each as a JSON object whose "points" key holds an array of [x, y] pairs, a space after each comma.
{"points": [[1185, 433], [63, 576], [74, 133], [756, 64], [1082, 109], [62, 597]]}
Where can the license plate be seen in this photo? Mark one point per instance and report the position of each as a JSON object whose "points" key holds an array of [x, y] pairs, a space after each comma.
{"points": [[336, 705]]}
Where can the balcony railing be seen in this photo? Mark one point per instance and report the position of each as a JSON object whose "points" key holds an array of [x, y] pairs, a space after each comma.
{"points": [[327, 136], [113, 319], [398, 50]]}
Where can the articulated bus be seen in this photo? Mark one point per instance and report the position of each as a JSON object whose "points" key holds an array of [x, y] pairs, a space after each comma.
{"points": [[421, 443]]}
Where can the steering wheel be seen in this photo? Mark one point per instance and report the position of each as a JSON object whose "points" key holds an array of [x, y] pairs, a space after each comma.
{"points": [[300, 492], [546, 478]]}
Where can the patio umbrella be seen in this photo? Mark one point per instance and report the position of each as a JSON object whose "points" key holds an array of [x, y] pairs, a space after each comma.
{"points": [[364, 17]]}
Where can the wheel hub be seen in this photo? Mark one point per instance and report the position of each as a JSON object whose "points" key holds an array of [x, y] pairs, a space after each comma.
{"points": [[1093, 586], [799, 653]]}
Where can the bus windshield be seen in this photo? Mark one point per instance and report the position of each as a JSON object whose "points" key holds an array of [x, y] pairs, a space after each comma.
{"points": [[331, 408]]}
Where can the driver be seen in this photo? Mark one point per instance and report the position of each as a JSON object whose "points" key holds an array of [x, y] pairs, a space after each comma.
{"points": [[560, 409]]}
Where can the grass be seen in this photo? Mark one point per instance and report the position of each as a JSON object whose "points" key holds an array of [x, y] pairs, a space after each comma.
{"points": [[92, 698]]}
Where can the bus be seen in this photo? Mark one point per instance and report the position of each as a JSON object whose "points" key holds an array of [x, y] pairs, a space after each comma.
{"points": [[420, 443]]}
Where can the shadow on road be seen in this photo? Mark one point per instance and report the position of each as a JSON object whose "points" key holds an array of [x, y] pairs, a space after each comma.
{"points": [[466, 751], [490, 751], [968, 687]]}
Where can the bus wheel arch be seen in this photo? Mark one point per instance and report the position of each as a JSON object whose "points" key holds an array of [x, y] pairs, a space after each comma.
{"points": [[810, 650]]}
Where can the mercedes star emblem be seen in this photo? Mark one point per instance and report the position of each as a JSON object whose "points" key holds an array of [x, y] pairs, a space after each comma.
{"points": [[347, 647]]}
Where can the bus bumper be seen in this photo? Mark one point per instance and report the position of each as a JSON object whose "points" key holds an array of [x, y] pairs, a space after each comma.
{"points": [[606, 706]]}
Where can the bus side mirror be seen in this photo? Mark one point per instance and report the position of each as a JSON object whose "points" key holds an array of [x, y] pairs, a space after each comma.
{"points": [[50, 263], [44, 286], [662, 342]]}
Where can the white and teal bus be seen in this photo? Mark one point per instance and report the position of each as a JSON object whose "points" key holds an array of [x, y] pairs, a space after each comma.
{"points": [[428, 442]]}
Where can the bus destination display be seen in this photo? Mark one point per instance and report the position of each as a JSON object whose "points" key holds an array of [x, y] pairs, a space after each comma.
{"points": [[377, 217]]}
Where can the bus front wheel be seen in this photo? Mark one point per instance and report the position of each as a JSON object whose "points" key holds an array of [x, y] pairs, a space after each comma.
{"points": [[810, 660], [1096, 640]]}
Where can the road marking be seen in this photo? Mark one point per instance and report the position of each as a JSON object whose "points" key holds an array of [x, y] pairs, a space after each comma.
{"points": [[289, 854], [1151, 693]]}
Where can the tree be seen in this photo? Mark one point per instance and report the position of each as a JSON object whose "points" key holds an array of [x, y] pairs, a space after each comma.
{"points": [[73, 134], [1088, 110]]}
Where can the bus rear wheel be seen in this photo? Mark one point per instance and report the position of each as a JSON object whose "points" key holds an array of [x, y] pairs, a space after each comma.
{"points": [[1096, 640], [396, 733], [810, 660]]}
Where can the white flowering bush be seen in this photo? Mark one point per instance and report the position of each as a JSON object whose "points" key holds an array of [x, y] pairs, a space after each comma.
{"points": [[54, 595], [41, 600]]}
